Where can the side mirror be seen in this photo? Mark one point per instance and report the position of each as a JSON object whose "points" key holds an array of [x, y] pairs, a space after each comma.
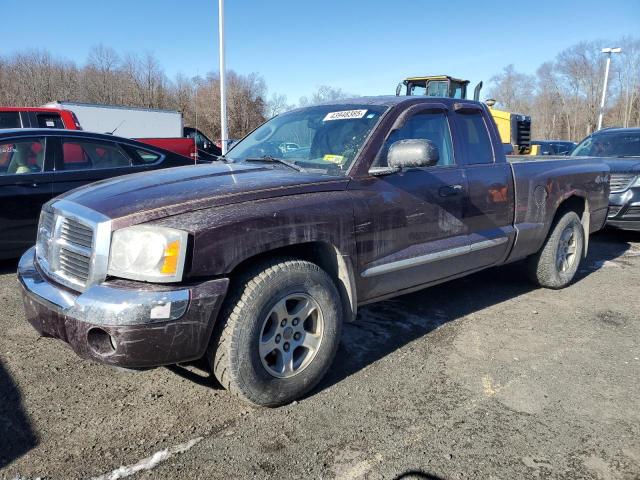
{"points": [[399, 89], [412, 154]]}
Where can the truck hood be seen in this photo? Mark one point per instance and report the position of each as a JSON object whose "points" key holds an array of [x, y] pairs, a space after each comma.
{"points": [[147, 196], [619, 165]]}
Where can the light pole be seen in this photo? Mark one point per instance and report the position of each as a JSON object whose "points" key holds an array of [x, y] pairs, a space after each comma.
{"points": [[608, 51], [223, 74]]}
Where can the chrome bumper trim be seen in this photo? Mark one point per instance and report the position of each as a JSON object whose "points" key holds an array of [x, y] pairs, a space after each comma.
{"points": [[102, 304]]}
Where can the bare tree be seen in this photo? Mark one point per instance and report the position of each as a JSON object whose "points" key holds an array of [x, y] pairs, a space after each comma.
{"points": [[513, 90], [324, 93], [102, 76], [628, 75], [277, 105]]}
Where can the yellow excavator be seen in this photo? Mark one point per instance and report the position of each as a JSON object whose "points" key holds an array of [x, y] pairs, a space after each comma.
{"points": [[514, 128]]}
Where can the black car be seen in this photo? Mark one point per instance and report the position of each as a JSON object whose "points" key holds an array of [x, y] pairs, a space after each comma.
{"points": [[39, 164], [622, 148], [553, 147]]}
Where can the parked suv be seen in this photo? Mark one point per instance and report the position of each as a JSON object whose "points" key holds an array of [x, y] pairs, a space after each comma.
{"points": [[620, 148]]}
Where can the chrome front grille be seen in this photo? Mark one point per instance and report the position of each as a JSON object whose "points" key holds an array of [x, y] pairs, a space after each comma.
{"points": [[76, 233], [73, 244], [74, 265], [620, 181]]}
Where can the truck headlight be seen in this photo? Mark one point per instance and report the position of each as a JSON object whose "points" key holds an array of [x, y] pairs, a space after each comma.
{"points": [[148, 253]]}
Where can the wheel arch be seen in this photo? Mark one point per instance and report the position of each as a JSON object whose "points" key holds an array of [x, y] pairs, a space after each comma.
{"points": [[324, 254]]}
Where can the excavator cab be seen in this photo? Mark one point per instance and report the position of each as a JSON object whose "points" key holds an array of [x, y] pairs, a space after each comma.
{"points": [[514, 129], [437, 86]]}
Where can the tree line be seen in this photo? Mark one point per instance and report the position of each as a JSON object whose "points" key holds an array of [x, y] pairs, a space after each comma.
{"points": [[563, 96], [36, 77]]}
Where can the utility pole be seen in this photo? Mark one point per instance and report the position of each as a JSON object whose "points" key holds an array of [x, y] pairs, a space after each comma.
{"points": [[608, 51], [223, 73]]}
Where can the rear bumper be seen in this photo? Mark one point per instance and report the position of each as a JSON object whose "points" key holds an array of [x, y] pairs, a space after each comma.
{"points": [[121, 323]]}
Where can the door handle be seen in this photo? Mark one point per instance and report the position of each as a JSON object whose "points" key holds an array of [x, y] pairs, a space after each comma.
{"points": [[450, 190]]}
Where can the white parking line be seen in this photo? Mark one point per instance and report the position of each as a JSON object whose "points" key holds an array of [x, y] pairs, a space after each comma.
{"points": [[149, 462]]}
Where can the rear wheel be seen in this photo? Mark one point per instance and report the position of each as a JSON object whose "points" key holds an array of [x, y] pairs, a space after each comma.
{"points": [[278, 334], [557, 262]]}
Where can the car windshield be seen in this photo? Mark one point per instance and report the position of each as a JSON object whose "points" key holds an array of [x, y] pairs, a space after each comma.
{"points": [[612, 144], [323, 138]]}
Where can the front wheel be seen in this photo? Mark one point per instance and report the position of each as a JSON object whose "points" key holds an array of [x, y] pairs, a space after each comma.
{"points": [[557, 262], [278, 333]]}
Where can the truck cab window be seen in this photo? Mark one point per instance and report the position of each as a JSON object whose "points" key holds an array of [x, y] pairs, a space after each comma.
{"points": [[475, 138], [9, 120], [18, 157], [47, 120], [431, 126]]}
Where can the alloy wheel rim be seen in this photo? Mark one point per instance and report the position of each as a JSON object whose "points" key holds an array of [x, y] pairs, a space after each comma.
{"points": [[567, 248], [291, 335]]}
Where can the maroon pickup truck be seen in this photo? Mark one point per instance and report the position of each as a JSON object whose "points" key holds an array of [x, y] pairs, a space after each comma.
{"points": [[254, 262]]}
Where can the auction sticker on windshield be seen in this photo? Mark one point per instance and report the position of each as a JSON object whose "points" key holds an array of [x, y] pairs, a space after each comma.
{"points": [[339, 159], [344, 115]]}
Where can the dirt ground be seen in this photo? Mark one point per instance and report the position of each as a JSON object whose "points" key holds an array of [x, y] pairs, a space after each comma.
{"points": [[485, 378]]}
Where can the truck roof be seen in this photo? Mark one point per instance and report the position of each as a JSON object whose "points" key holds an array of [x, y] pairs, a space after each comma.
{"points": [[30, 109], [61, 104], [391, 100]]}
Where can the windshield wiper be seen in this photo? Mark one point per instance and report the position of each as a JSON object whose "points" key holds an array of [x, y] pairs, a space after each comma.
{"points": [[270, 159]]}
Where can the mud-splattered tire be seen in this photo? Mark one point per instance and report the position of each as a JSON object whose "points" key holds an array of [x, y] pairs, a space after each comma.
{"points": [[557, 262], [278, 332]]}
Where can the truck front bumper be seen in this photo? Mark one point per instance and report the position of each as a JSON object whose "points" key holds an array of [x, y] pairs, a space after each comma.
{"points": [[123, 323]]}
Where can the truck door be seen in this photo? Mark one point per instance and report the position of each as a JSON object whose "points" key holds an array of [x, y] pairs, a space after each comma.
{"points": [[410, 229], [489, 210], [25, 185]]}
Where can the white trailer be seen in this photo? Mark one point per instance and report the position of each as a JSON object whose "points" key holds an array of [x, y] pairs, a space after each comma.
{"points": [[130, 122]]}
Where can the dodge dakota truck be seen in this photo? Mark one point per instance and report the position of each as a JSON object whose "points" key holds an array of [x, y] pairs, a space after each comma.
{"points": [[255, 261]]}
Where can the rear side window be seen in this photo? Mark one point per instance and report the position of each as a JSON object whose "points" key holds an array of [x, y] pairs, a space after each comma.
{"points": [[148, 157], [49, 120], [432, 126], [80, 154], [18, 157], [475, 138], [9, 120]]}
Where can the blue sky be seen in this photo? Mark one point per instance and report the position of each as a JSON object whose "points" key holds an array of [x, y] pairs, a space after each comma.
{"points": [[361, 46]]}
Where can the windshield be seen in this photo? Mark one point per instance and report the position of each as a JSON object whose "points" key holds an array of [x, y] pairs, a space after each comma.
{"points": [[613, 144], [324, 138]]}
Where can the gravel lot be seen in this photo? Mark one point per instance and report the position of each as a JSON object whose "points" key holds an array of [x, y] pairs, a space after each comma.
{"points": [[484, 377]]}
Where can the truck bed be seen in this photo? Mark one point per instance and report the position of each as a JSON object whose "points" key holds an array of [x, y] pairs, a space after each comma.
{"points": [[563, 177]]}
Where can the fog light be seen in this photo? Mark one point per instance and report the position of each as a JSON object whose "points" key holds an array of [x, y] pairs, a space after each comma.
{"points": [[101, 342]]}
